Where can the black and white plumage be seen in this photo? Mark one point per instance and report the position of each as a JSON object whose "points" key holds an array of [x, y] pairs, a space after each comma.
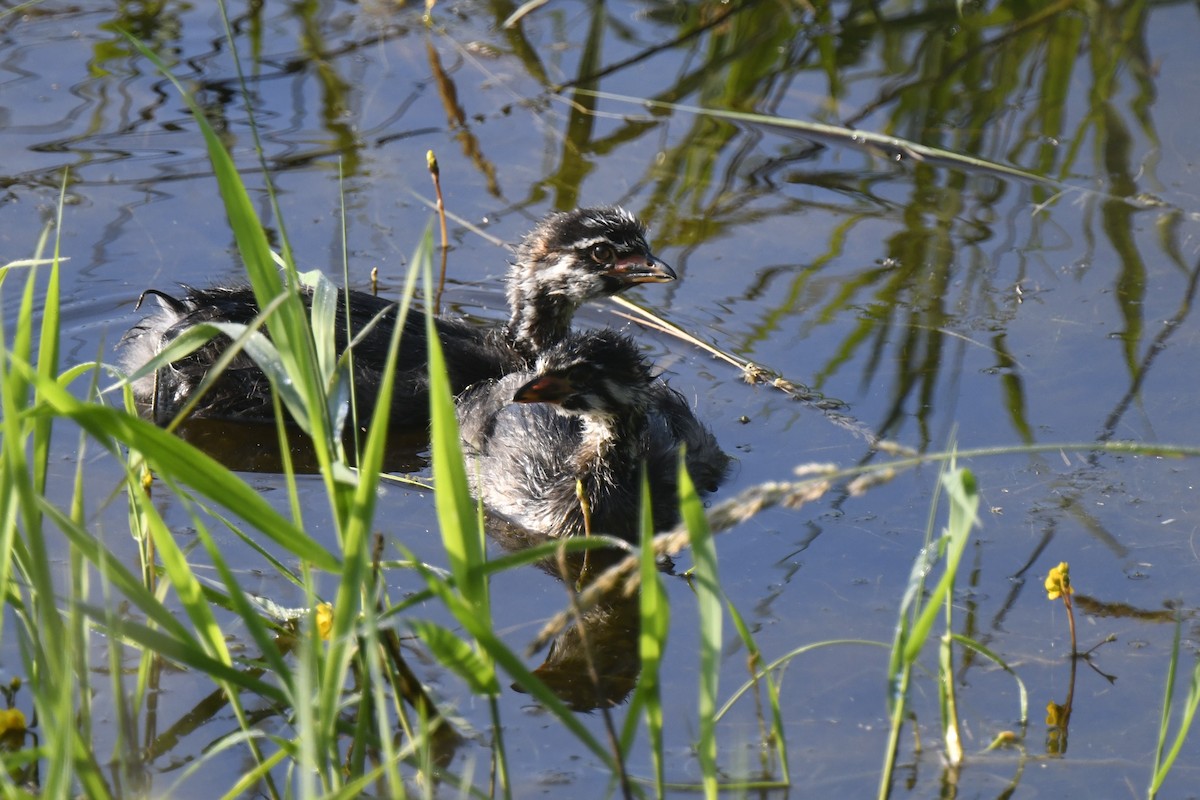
{"points": [[594, 413], [566, 260]]}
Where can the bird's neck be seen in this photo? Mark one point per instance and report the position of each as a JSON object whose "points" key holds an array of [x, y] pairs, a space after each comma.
{"points": [[609, 442], [538, 322]]}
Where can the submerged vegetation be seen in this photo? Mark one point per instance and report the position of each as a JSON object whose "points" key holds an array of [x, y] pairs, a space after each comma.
{"points": [[361, 688]]}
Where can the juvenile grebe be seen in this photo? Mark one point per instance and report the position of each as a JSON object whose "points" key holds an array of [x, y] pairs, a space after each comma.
{"points": [[566, 260], [592, 412]]}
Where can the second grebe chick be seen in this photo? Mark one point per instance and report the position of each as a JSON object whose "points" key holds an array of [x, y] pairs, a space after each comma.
{"points": [[592, 413]]}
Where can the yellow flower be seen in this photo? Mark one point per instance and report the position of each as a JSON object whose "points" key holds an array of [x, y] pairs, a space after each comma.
{"points": [[1056, 715], [325, 620], [12, 720], [1058, 582]]}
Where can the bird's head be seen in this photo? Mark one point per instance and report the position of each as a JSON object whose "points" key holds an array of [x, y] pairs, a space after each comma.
{"points": [[596, 374], [570, 258]]}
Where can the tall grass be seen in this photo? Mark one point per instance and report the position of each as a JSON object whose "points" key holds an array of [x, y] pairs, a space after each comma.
{"points": [[919, 610], [1164, 759], [63, 763]]}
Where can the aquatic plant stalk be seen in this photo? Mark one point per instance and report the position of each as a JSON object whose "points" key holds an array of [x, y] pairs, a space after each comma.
{"points": [[1163, 763]]}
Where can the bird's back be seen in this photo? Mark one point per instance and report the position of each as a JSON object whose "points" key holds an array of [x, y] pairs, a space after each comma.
{"points": [[242, 392]]}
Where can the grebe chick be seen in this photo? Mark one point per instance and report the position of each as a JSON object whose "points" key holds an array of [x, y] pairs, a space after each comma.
{"points": [[592, 413]]}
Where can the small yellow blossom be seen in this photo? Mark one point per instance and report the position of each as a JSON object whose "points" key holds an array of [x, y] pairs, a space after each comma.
{"points": [[1056, 715], [12, 720], [1058, 582], [325, 620]]}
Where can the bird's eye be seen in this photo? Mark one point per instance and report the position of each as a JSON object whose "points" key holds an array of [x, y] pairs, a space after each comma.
{"points": [[603, 253]]}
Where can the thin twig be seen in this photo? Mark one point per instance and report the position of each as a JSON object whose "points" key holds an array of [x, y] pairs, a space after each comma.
{"points": [[756, 374], [436, 173]]}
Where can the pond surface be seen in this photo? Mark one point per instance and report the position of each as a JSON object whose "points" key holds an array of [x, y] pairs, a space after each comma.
{"points": [[1029, 281]]}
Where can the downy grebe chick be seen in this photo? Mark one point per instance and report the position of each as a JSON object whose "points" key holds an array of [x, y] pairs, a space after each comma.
{"points": [[593, 412], [566, 260]]}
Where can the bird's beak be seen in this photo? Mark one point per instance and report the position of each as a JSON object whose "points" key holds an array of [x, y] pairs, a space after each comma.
{"points": [[641, 269], [544, 389]]}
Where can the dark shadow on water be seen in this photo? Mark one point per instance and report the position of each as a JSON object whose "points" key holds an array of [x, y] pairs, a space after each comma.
{"points": [[254, 447], [610, 630], [593, 663]]}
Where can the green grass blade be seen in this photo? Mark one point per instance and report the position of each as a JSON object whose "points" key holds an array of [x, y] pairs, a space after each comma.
{"points": [[204, 474], [456, 511], [48, 344], [43, 636], [777, 735], [709, 607], [856, 137], [906, 644], [964, 503], [290, 329], [186, 654], [1022, 694], [129, 585], [457, 656], [248, 613], [1163, 765], [187, 588], [655, 613], [357, 596], [481, 630], [783, 660], [1164, 722], [22, 343], [324, 314]]}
